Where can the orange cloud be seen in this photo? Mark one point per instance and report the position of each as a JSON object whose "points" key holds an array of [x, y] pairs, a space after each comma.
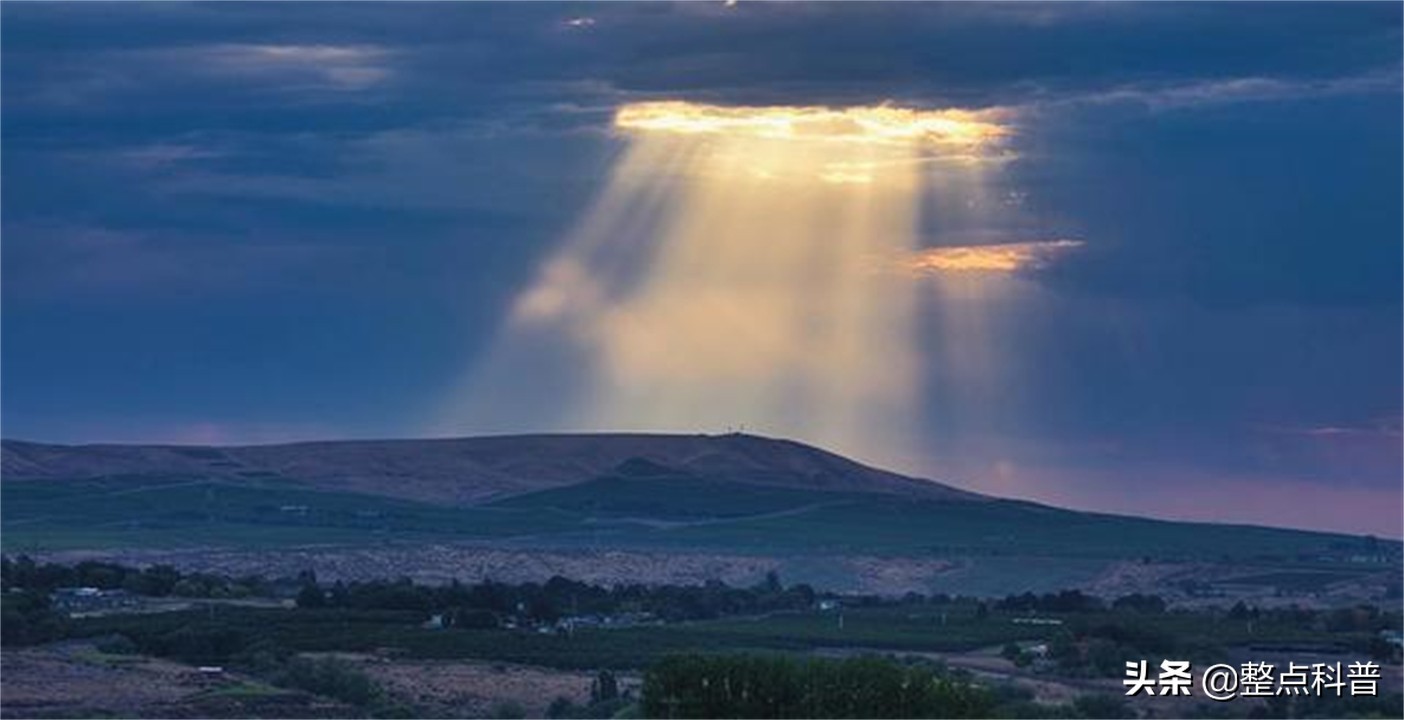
{"points": [[950, 129], [1005, 257]]}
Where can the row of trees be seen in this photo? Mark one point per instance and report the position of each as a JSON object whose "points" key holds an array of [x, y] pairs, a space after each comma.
{"points": [[155, 581], [1067, 601], [474, 605], [1360, 618], [728, 686], [30, 619]]}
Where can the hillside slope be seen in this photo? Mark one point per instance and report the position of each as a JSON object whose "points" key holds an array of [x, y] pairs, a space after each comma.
{"points": [[470, 471], [635, 508]]}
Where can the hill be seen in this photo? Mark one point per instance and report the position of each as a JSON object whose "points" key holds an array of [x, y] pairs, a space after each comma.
{"points": [[470, 471], [619, 508]]}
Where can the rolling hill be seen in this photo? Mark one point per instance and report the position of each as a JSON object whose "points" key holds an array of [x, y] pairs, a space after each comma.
{"points": [[679, 495], [469, 471]]}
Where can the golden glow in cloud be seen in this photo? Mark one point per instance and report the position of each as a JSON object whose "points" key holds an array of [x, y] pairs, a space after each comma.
{"points": [[1004, 257], [964, 130]]}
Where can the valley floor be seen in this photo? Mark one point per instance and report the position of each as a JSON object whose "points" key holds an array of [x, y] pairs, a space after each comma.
{"points": [[1183, 584]]}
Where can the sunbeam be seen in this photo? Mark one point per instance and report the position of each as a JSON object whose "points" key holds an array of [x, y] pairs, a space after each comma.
{"points": [[744, 267]]}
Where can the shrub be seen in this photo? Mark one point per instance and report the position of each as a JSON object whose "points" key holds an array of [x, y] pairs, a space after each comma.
{"points": [[117, 645], [333, 678], [507, 710]]}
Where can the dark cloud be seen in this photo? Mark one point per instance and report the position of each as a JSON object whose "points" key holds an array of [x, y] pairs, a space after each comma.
{"points": [[965, 54]]}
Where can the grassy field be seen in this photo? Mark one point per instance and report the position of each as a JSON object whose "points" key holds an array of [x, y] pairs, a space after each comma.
{"points": [[400, 634], [952, 627]]}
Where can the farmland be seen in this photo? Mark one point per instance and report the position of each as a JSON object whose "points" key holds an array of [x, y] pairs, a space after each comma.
{"points": [[389, 648]]}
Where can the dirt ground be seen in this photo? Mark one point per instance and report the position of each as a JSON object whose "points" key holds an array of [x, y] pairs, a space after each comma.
{"points": [[56, 679], [465, 688], [73, 679]]}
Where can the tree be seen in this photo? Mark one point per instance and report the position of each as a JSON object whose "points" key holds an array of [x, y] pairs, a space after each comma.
{"points": [[26, 618], [604, 688], [189, 587], [803, 594], [1136, 602], [311, 596], [561, 707], [333, 678], [1064, 651], [474, 619], [159, 580], [1239, 611]]}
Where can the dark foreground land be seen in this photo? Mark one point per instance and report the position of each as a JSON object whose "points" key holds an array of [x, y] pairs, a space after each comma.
{"points": [[101, 640]]}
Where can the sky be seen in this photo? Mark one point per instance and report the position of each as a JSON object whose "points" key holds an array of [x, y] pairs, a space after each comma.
{"points": [[238, 223]]}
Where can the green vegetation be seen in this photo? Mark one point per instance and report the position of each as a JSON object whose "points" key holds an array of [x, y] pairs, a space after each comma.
{"points": [[27, 617], [332, 678], [1091, 643], [243, 690], [498, 621], [708, 650], [780, 687], [635, 510], [104, 658]]}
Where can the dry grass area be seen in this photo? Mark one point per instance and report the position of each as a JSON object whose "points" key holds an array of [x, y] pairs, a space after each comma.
{"points": [[434, 564], [1169, 579], [478, 689], [74, 679], [439, 563], [70, 678]]}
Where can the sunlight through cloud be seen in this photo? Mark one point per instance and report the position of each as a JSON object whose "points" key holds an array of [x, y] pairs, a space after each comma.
{"points": [[878, 124], [725, 277]]}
